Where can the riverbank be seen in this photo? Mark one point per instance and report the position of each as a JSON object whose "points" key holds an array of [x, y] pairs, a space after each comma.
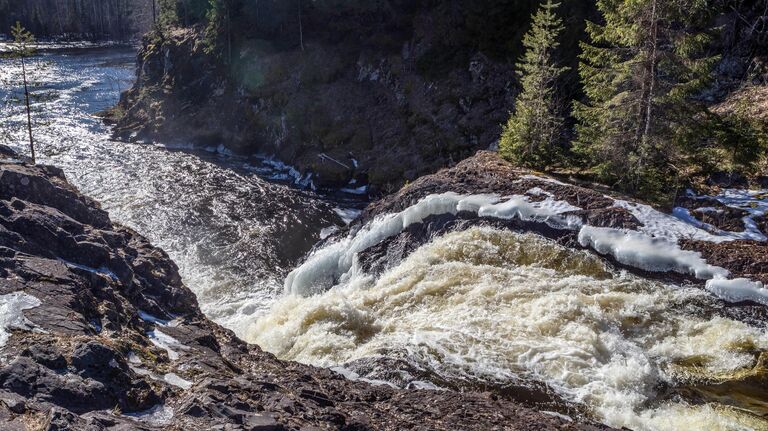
{"points": [[564, 297], [105, 335]]}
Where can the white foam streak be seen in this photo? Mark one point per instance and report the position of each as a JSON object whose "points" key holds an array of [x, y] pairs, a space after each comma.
{"points": [[327, 266]]}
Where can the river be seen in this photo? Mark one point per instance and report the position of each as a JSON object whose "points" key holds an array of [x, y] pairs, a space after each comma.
{"points": [[233, 233], [481, 309]]}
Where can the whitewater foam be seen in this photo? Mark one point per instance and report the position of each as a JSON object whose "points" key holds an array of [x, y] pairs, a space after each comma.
{"points": [[331, 264], [493, 306]]}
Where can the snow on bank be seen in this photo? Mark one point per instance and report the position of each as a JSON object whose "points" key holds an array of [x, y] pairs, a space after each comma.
{"points": [[327, 266], [159, 415], [652, 248], [167, 343], [12, 308], [739, 289], [681, 224], [176, 380], [647, 253]]}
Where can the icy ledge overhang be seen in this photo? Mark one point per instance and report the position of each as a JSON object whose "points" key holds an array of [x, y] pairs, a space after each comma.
{"points": [[654, 247]]}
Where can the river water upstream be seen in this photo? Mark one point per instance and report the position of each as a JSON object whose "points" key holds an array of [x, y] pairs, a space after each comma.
{"points": [[234, 234]]}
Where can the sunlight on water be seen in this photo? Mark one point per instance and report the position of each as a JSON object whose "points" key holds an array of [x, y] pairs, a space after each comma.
{"points": [[233, 234], [493, 306]]}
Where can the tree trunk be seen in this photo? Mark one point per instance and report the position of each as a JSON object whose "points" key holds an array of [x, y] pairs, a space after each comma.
{"points": [[29, 112], [652, 83], [301, 29]]}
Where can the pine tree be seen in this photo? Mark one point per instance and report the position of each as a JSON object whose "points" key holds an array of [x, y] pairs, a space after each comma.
{"points": [[22, 48], [533, 132], [639, 73]]}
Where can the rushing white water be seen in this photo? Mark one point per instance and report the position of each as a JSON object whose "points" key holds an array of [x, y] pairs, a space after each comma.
{"points": [[327, 265], [233, 234], [493, 306]]}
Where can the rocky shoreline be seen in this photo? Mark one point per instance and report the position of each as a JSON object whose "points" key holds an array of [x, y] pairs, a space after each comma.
{"points": [[110, 338], [487, 173]]}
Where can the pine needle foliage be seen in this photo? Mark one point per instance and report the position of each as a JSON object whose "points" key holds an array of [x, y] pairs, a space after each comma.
{"points": [[640, 73], [533, 133]]}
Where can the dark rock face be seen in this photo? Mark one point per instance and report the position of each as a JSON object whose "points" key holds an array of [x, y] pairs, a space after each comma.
{"points": [[97, 353], [340, 112]]}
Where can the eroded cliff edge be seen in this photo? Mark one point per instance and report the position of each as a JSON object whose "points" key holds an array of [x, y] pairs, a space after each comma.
{"points": [[101, 333]]}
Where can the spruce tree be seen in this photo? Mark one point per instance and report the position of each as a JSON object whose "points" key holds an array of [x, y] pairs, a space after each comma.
{"points": [[639, 73], [533, 132]]}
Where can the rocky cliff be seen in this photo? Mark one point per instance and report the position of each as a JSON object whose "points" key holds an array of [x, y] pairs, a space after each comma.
{"points": [[79, 19], [382, 96], [99, 332]]}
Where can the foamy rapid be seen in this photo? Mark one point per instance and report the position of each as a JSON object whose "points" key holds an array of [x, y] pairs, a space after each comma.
{"points": [[327, 265], [233, 234], [493, 306]]}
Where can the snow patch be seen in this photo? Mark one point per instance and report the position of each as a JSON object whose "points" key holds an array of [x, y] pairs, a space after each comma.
{"points": [[175, 380], [12, 308], [362, 190], [648, 253], [103, 272], [166, 342], [159, 415], [738, 289], [328, 231], [351, 375], [150, 318], [348, 215]]}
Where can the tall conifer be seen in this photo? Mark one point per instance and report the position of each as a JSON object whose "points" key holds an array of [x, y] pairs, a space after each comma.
{"points": [[639, 72], [534, 130]]}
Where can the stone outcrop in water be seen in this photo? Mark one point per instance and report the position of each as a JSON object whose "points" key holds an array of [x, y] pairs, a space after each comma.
{"points": [[100, 333], [79, 19], [486, 172]]}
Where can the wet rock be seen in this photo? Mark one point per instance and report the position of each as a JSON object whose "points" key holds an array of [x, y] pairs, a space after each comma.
{"points": [[91, 364]]}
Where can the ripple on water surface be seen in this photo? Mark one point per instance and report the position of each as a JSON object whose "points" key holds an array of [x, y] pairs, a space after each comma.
{"points": [[487, 307], [233, 234]]}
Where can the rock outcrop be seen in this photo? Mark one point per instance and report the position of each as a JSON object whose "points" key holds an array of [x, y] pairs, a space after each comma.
{"points": [[486, 172], [99, 333], [377, 91]]}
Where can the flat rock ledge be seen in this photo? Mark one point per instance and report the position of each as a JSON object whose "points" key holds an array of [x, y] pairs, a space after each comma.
{"points": [[107, 337]]}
